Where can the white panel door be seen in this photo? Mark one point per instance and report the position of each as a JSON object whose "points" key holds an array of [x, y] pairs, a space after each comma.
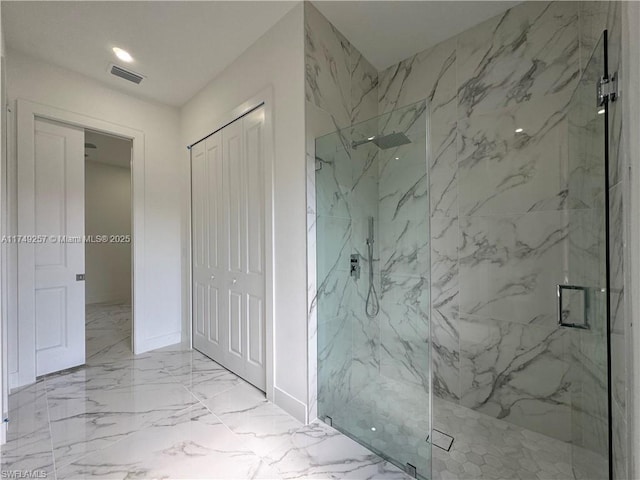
{"points": [[207, 222], [59, 251], [228, 247]]}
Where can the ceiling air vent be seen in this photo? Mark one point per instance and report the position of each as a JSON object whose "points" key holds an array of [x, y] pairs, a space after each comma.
{"points": [[126, 74]]}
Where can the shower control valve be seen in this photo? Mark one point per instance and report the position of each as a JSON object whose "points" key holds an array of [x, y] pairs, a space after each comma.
{"points": [[354, 269]]}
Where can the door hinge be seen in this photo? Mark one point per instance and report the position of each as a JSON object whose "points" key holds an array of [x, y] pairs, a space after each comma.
{"points": [[80, 277], [607, 89]]}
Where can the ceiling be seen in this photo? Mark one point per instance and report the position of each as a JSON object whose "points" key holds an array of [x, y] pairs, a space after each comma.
{"points": [[387, 32], [181, 46], [178, 46], [111, 150]]}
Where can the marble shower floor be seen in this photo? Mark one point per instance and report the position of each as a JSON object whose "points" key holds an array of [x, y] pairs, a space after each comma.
{"points": [[170, 413], [490, 449], [484, 448]]}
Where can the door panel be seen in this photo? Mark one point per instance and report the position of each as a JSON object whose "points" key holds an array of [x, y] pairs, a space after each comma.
{"points": [[214, 317], [200, 207], [255, 196], [253, 279], [228, 222], [255, 336], [235, 324], [233, 159], [584, 298], [206, 169], [50, 215], [51, 303], [201, 309], [59, 211], [216, 205]]}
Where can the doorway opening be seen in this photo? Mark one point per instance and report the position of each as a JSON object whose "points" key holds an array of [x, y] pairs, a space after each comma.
{"points": [[108, 255], [50, 191]]}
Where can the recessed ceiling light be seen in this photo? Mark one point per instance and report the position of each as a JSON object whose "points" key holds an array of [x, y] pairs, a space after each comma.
{"points": [[397, 158], [123, 54], [601, 111], [371, 138], [519, 130], [373, 429]]}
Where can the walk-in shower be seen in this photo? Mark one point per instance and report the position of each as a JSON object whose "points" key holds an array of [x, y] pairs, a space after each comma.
{"points": [[496, 250], [373, 329]]}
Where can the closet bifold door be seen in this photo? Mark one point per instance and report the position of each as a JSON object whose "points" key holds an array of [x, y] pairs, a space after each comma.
{"points": [[228, 247], [208, 269]]}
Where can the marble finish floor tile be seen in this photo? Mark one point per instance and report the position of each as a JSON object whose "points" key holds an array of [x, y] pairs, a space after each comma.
{"points": [[170, 413], [28, 444], [245, 410], [317, 451], [108, 333], [190, 445]]}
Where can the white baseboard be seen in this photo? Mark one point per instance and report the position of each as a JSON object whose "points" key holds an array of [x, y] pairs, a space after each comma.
{"points": [[142, 346], [17, 381], [112, 298], [290, 404]]}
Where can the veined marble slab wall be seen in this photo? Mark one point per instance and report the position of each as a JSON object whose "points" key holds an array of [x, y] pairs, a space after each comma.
{"points": [[404, 242], [497, 197], [340, 90]]}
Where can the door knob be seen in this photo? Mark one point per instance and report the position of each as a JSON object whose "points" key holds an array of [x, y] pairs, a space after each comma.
{"points": [[234, 281], [213, 277]]}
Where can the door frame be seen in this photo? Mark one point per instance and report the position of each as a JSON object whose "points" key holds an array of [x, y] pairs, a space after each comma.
{"points": [[265, 99], [26, 114]]}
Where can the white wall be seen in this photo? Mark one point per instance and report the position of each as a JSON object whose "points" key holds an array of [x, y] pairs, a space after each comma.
{"points": [[107, 212], [40, 82], [276, 60]]}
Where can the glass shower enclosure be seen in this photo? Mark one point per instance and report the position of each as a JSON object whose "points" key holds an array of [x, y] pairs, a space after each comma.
{"points": [[584, 297], [373, 304], [372, 200]]}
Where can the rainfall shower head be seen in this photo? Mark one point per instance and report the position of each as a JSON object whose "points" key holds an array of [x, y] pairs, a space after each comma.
{"points": [[385, 142], [392, 140]]}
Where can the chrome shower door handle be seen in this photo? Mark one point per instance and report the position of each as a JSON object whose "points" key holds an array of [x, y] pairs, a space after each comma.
{"points": [[572, 306]]}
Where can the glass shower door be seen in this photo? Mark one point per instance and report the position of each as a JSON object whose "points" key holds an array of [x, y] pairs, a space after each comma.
{"points": [[373, 269], [583, 299]]}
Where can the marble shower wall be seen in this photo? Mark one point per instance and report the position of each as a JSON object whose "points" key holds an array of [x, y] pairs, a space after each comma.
{"points": [[340, 90], [404, 242], [497, 199]]}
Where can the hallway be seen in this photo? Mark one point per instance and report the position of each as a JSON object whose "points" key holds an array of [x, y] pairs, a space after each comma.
{"points": [[169, 413]]}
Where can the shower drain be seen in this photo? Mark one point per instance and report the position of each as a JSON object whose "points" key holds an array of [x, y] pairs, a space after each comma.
{"points": [[441, 440]]}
